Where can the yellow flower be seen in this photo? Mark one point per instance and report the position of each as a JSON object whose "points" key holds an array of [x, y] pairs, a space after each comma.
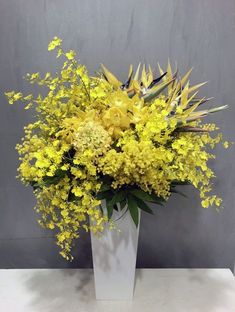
{"points": [[13, 96], [226, 144], [89, 129], [70, 55], [56, 42], [115, 121], [119, 99], [205, 203], [91, 137]]}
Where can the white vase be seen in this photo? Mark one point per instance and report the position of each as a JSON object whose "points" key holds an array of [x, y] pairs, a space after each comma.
{"points": [[114, 259]]}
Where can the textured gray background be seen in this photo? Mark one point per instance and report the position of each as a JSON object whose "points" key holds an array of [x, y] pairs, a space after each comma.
{"points": [[193, 33]]}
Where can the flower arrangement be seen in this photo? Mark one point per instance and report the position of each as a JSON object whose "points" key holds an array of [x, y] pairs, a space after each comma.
{"points": [[97, 138]]}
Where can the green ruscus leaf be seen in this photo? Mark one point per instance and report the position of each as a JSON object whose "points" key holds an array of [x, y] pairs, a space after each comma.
{"points": [[133, 208], [109, 207], [141, 195], [143, 206]]}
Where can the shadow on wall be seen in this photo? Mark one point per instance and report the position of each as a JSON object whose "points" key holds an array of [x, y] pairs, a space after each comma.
{"points": [[182, 234]]}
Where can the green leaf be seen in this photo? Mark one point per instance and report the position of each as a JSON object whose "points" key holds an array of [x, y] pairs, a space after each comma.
{"points": [[138, 193], [133, 208], [109, 207], [104, 195], [143, 206], [141, 195], [101, 209], [123, 204], [176, 182], [112, 199], [115, 207], [46, 181], [59, 174], [118, 197], [105, 187], [156, 199], [34, 185]]}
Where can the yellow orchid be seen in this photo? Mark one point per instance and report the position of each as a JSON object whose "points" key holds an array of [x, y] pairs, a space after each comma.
{"points": [[120, 100], [115, 120]]}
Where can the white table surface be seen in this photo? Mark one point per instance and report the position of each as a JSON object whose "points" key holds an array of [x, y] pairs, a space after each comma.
{"points": [[156, 290]]}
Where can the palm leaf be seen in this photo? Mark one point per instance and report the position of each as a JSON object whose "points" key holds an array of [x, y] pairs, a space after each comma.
{"points": [[127, 83], [191, 129], [136, 77], [110, 77], [156, 80], [150, 75], [144, 78], [185, 77], [156, 91]]}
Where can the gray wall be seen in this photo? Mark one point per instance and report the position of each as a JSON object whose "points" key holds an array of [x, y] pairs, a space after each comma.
{"points": [[193, 33]]}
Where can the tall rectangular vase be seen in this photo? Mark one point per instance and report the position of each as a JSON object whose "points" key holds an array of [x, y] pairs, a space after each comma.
{"points": [[114, 259]]}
